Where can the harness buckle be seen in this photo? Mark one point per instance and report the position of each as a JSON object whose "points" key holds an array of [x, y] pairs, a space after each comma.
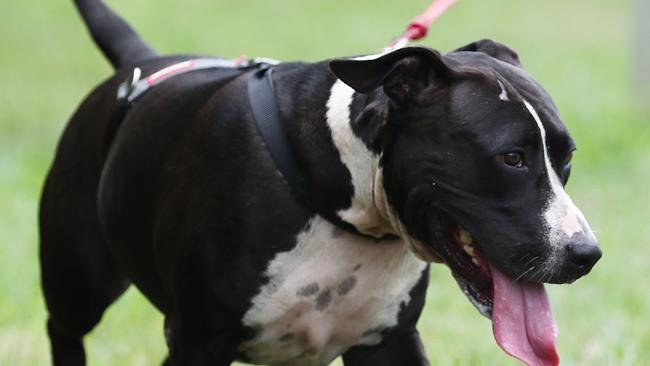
{"points": [[126, 87], [260, 61]]}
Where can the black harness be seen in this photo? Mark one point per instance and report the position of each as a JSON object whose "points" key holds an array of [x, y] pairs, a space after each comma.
{"points": [[261, 95]]}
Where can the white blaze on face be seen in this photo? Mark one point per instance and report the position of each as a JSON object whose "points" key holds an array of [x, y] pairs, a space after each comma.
{"points": [[563, 219], [504, 94]]}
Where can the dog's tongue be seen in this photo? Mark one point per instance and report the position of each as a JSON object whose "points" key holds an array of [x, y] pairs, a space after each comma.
{"points": [[522, 321]]}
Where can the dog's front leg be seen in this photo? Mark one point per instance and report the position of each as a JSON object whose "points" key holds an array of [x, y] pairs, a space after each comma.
{"points": [[400, 348], [184, 354], [197, 344], [199, 328], [193, 345]]}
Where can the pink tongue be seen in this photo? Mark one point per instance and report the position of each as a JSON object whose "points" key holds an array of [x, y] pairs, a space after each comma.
{"points": [[522, 321]]}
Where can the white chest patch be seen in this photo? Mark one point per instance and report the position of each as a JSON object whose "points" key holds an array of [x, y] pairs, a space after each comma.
{"points": [[333, 290]]}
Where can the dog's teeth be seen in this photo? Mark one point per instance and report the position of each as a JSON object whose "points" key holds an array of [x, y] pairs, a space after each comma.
{"points": [[465, 237], [469, 249], [474, 260]]}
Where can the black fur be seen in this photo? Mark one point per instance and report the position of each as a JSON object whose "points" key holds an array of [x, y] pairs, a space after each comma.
{"points": [[118, 41], [180, 196]]}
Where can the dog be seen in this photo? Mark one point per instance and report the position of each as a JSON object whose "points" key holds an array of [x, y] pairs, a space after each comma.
{"points": [[403, 159]]}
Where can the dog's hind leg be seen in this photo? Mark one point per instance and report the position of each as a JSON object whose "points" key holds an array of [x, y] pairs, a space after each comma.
{"points": [[79, 276]]}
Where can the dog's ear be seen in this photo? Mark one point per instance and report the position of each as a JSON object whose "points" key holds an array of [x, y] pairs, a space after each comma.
{"points": [[494, 49], [408, 75]]}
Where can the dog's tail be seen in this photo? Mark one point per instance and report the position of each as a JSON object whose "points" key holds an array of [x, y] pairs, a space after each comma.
{"points": [[118, 41]]}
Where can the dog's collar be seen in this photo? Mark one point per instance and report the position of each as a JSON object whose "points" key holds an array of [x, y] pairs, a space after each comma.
{"points": [[261, 95]]}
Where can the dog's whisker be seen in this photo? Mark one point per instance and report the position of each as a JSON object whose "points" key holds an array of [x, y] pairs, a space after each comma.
{"points": [[539, 275], [523, 274], [523, 257], [533, 259], [532, 275]]}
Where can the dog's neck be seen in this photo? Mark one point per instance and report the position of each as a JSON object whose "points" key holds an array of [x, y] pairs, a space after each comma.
{"points": [[334, 143], [368, 211]]}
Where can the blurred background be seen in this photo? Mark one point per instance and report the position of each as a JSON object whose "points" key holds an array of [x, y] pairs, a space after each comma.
{"points": [[592, 55]]}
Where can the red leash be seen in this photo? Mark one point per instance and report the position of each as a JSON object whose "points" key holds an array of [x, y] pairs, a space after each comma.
{"points": [[419, 26]]}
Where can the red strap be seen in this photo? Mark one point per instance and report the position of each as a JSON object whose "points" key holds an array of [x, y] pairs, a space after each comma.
{"points": [[420, 25], [169, 71]]}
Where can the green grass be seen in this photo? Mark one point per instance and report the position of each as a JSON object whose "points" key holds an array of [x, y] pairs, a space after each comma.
{"points": [[578, 49]]}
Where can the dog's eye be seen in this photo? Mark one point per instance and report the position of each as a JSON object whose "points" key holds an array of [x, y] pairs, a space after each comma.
{"points": [[514, 159], [569, 156]]}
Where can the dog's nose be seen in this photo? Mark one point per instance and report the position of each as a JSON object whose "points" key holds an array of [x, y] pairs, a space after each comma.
{"points": [[583, 255]]}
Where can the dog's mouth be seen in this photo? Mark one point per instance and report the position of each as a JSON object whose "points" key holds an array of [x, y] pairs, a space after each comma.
{"points": [[470, 269], [520, 311]]}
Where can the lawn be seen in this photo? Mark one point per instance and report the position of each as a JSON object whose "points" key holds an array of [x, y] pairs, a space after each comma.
{"points": [[580, 50]]}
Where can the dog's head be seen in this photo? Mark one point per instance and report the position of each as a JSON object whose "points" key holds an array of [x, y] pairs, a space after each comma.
{"points": [[475, 158]]}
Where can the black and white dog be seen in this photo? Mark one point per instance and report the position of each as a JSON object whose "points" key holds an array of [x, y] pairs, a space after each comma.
{"points": [[458, 158]]}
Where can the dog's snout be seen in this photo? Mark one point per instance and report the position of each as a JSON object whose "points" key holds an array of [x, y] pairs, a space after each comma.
{"points": [[583, 255], [575, 260]]}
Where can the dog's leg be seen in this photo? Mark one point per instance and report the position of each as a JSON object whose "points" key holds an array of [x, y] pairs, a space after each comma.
{"points": [[401, 346], [398, 349], [199, 330], [79, 276], [189, 344]]}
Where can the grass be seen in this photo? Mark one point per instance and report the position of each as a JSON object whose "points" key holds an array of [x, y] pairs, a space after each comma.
{"points": [[580, 50]]}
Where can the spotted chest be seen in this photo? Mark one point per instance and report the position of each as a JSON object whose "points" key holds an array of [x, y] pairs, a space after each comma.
{"points": [[333, 290]]}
